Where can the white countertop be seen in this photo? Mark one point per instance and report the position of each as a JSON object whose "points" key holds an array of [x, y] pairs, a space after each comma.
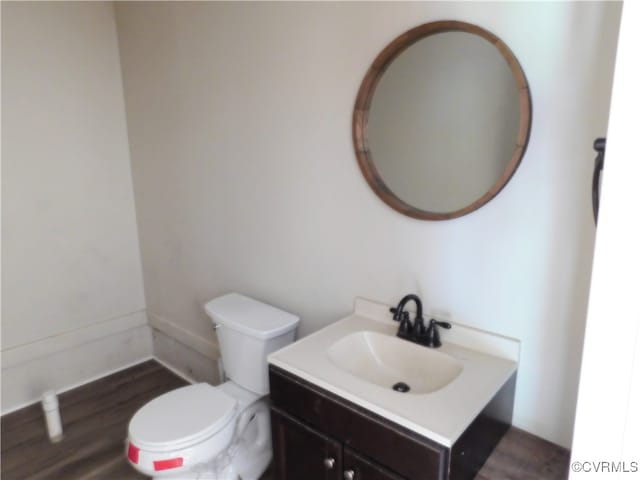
{"points": [[488, 362]]}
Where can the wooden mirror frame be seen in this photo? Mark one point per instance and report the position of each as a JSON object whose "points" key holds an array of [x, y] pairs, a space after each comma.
{"points": [[365, 96]]}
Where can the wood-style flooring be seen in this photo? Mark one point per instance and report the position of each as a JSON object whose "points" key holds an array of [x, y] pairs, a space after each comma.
{"points": [[95, 418], [522, 456]]}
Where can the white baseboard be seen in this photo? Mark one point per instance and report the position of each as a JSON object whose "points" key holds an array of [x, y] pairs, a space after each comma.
{"points": [[195, 358], [175, 371], [204, 346], [184, 360], [71, 359], [27, 352], [74, 358]]}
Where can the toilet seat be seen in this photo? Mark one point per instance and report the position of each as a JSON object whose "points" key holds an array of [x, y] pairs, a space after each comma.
{"points": [[181, 418]]}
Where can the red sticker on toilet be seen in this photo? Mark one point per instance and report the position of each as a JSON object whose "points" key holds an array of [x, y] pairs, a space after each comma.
{"points": [[133, 453], [167, 464]]}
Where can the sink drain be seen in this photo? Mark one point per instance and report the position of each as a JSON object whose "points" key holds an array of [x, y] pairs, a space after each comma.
{"points": [[401, 387]]}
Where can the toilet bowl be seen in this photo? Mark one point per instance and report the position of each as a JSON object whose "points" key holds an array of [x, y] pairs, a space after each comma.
{"points": [[187, 429], [217, 432]]}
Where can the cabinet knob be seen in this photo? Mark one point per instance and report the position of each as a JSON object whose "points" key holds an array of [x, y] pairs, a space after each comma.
{"points": [[349, 475], [329, 463]]}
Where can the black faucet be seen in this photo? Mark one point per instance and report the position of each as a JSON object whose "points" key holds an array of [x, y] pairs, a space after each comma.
{"points": [[417, 332], [406, 329]]}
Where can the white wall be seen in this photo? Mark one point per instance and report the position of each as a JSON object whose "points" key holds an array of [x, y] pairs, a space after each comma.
{"points": [[245, 177], [70, 263], [608, 414]]}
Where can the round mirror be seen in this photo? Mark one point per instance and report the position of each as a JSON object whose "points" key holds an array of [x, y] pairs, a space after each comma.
{"points": [[439, 128]]}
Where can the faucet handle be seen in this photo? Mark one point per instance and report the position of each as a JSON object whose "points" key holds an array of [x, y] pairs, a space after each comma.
{"points": [[432, 337], [446, 325]]}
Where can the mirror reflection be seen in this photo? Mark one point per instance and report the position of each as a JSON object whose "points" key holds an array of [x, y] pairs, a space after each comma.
{"points": [[440, 125]]}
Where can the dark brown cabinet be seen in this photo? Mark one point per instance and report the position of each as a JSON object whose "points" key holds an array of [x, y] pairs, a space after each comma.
{"points": [[304, 453], [320, 436]]}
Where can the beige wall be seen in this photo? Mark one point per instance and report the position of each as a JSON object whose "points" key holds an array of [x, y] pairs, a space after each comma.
{"points": [[71, 270], [245, 178]]}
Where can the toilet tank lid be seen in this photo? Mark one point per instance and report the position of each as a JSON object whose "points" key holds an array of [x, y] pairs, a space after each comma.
{"points": [[250, 316]]}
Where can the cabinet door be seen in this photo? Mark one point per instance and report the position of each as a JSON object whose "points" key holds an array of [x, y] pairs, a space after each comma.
{"points": [[356, 467], [300, 452]]}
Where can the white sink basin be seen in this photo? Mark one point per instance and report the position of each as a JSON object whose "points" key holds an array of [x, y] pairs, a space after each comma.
{"points": [[385, 361], [359, 359]]}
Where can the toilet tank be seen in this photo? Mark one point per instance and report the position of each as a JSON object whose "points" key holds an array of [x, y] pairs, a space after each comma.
{"points": [[248, 331]]}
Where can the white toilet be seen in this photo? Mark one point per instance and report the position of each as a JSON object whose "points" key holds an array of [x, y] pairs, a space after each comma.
{"points": [[221, 433]]}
